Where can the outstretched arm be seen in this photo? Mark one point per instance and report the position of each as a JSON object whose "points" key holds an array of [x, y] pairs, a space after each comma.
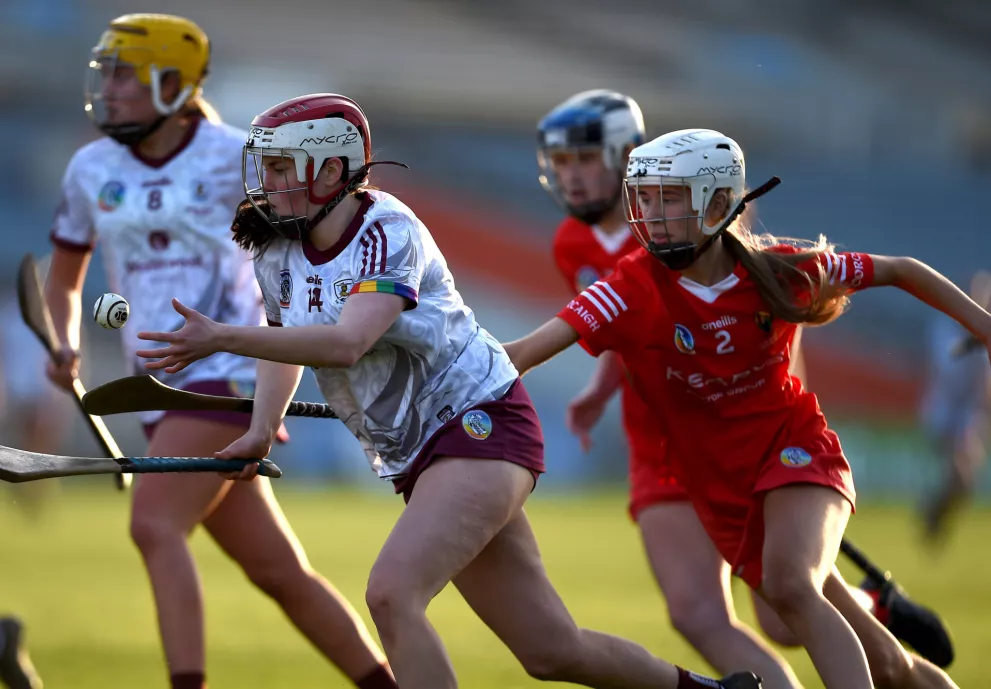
{"points": [[364, 319], [543, 344], [929, 286]]}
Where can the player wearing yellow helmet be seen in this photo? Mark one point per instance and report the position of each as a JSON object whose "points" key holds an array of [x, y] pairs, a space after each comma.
{"points": [[159, 192]]}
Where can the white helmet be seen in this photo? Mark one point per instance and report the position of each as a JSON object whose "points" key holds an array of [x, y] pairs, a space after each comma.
{"points": [[703, 160], [309, 129]]}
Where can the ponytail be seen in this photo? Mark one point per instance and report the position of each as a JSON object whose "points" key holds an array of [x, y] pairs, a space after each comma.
{"points": [[792, 294]]}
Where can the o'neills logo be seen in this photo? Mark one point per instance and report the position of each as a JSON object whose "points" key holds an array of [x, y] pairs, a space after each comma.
{"points": [[721, 323]]}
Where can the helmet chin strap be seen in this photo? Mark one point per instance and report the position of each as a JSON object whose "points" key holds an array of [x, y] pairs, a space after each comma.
{"points": [[299, 227], [681, 255], [133, 133]]}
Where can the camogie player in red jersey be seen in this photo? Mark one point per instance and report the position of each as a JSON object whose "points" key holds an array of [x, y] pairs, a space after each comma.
{"points": [[582, 152], [704, 321]]}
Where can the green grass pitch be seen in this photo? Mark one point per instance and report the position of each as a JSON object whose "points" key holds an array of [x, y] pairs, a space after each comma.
{"points": [[75, 578]]}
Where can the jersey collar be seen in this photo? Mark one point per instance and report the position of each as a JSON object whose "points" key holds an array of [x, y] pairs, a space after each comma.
{"points": [[317, 257]]}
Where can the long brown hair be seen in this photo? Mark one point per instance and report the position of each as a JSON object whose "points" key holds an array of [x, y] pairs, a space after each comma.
{"points": [[793, 295]]}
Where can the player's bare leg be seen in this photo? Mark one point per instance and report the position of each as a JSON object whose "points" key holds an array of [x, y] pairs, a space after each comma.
{"points": [[963, 456], [457, 510], [507, 586], [274, 560], [892, 667], [16, 669], [166, 508], [803, 526], [695, 580]]}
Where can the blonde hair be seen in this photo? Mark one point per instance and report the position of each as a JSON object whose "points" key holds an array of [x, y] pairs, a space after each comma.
{"points": [[199, 104], [792, 294]]}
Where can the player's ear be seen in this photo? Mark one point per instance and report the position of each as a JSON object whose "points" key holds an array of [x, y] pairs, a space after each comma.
{"points": [[332, 172], [170, 86], [717, 207]]}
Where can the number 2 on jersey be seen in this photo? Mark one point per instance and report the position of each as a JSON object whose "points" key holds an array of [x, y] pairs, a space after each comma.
{"points": [[724, 346]]}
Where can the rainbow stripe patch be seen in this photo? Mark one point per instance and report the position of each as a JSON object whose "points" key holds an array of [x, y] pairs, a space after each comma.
{"points": [[402, 290]]}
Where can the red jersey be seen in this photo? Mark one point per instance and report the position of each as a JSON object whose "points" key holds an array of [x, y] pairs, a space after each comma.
{"points": [[584, 255], [711, 364]]}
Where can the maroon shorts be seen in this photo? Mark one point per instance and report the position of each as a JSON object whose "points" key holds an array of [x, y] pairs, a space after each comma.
{"points": [[507, 429], [220, 388]]}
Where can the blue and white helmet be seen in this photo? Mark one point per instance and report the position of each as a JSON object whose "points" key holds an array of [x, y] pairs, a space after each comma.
{"points": [[599, 119]]}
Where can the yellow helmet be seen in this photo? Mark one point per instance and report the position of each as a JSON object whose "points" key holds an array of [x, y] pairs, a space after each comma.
{"points": [[154, 44]]}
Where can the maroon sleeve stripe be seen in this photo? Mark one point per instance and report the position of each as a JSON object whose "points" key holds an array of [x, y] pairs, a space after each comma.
{"points": [[67, 245], [384, 251]]}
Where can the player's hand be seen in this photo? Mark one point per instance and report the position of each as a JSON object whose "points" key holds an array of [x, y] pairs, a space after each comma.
{"points": [[251, 445], [63, 368], [197, 339], [584, 411]]}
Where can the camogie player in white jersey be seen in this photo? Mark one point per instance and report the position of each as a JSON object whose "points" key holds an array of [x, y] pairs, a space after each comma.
{"points": [[158, 193], [955, 411], [365, 298]]}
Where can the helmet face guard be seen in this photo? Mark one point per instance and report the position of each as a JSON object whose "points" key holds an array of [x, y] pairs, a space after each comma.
{"points": [[295, 225], [590, 212], [152, 45], [681, 255], [604, 123], [676, 255]]}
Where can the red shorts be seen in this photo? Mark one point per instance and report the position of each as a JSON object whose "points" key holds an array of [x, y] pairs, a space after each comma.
{"points": [[652, 479], [220, 388], [506, 429], [809, 453]]}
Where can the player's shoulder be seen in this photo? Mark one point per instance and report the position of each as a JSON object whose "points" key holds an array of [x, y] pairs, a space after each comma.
{"points": [[273, 259], [637, 262], [218, 138], [388, 212], [96, 153], [572, 233], [633, 276]]}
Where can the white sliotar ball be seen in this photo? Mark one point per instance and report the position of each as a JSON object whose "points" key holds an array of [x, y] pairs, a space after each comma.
{"points": [[111, 311]]}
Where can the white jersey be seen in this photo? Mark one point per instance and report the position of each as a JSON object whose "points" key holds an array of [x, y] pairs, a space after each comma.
{"points": [[957, 390], [434, 362], [164, 229]]}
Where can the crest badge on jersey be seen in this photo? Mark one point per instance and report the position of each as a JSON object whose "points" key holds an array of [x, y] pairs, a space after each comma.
{"points": [[795, 457], [242, 388], [285, 288], [586, 277], [111, 196], [158, 240], [477, 424], [683, 339], [764, 320], [342, 288]]}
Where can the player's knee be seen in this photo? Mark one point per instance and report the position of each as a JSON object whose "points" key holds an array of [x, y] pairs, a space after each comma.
{"points": [[150, 532], [697, 617], [777, 631], [390, 599], [890, 666], [558, 658], [789, 590]]}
